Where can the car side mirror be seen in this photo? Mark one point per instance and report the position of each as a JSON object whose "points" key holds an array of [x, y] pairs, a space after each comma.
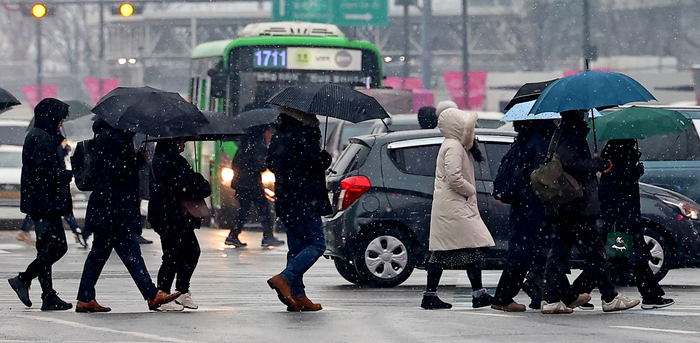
{"points": [[218, 83]]}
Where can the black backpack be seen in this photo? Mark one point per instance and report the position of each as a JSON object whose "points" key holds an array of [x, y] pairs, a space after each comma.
{"points": [[81, 164], [510, 179]]}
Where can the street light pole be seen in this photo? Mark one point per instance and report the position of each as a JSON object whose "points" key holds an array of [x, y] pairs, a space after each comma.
{"points": [[427, 57], [38, 60], [406, 35], [101, 53], [465, 51]]}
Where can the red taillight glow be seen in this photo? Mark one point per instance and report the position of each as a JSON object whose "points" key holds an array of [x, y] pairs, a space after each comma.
{"points": [[351, 189]]}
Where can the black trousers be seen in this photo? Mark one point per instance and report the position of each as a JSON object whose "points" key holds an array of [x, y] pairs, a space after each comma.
{"points": [[180, 256], [566, 232], [647, 285], [50, 247], [127, 247], [255, 198]]}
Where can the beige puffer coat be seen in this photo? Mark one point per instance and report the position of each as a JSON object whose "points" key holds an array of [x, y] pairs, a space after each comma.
{"points": [[455, 221]]}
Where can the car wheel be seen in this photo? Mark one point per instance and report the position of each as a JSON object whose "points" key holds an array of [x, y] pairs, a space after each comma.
{"points": [[661, 252], [347, 270], [383, 258]]}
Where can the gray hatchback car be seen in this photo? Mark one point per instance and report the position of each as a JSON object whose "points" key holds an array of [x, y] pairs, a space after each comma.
{"points": [[382, 185]]}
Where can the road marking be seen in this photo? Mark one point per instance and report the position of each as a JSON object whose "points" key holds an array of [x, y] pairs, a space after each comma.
{"points": [[489, 314], [10, 246], [99, 328], [652, 329], [4, 252]]}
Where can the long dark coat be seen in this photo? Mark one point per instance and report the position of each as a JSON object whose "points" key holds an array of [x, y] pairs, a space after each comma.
{"points": [[249, 162], [576, 160], [299, 165], [529, 227], [114, 204], [45, 182], [173, 179]]}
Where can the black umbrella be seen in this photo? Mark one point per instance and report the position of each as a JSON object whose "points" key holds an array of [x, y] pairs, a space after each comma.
{"points": [[150, 111], [259, 117], [330, 100], [7, 100], [220, 128], [528, 92]]}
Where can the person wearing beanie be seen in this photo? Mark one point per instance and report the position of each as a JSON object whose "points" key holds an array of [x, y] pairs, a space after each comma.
{"points": [[45, 196], [443, 105]]}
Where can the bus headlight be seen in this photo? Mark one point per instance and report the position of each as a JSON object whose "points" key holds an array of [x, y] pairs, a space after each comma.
{"points": [[268, 179], [226, 175]]}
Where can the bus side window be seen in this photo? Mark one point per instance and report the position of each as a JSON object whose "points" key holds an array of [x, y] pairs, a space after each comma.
{"points": [[218, 83]]}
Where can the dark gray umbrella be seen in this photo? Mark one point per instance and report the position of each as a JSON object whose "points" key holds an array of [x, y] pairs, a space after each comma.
{"points": [[528, 92], [7, 100], [220, 127], [259, 117], [150, 111], [330, 100]]}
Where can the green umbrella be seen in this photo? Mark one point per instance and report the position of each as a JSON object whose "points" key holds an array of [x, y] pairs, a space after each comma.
{"points": [[638, 122]]}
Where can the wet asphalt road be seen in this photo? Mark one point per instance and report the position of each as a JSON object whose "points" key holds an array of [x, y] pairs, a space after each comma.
{"points": [[237, 306]]}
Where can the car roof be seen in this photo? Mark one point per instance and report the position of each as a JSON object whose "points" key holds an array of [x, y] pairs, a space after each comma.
{"points": [[10, 148], [382, 138]]}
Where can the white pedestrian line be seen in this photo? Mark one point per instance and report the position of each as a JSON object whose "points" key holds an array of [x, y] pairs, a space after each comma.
{"points": [[12, 246], [652, 329], [99, 328], [670, 313], [4, 252], [468, 311]]}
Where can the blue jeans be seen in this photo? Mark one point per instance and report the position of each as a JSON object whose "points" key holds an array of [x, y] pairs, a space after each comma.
{"points": [[306, 243]]}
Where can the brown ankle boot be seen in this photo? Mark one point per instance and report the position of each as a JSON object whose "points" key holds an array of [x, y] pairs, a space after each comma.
{"points": [[161, 298], [91, 306], [284, 292], [304, 304]]}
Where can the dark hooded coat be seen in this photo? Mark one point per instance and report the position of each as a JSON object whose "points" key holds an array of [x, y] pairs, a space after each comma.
{"points": [[576, 160], [529, 227], [299, 165], [114, 204], [172, 179], [249, 162], [45, 183]]}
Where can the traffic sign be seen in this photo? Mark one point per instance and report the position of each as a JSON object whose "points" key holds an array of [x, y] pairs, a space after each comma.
{"points": [[338, 12], [361, 13]]}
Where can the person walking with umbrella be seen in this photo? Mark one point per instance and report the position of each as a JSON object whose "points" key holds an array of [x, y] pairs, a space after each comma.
{"points": [[299, 165], [45, 196], [113, 216], [248, 164], [172, 179], [459, 239], [575, 223]]}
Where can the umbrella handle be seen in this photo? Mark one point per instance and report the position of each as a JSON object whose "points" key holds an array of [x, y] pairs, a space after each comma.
{"points": [[325, 134], [595, 139]]}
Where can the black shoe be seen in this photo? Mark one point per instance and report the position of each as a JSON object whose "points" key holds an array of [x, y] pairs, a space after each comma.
{"points": [[51, 302], [271, 242], [586, 307], [22, 290], [653, 303], [482, 301], [534, 292], [235, 242], [142, 240], [434, 303]]}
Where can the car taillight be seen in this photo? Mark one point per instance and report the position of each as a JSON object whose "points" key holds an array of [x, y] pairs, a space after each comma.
{"points": [[351, 189]]}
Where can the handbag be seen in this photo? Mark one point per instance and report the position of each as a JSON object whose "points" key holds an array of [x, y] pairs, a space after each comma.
{"points": [[618, 244], [196, 208], [552, 184]]}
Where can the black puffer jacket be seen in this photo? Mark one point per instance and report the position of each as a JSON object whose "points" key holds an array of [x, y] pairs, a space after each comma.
{"points": [[576, 160], [114, 204], [249, 162], [45, 189], [173, 179], [299, 165]]}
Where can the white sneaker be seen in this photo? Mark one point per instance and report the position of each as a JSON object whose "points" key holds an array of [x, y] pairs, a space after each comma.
{"points": [[185, 299], [555, 308], [172, 306], [620, 303]]}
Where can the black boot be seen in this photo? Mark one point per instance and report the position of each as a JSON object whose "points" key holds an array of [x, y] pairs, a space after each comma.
{"points": [[482, 300], [22, 290], [432, 302], [51, 302]]}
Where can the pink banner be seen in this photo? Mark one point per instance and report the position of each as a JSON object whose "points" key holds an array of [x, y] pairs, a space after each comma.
{"points": [[477, 88], [93, 87], [397, 83], [32, 93]]}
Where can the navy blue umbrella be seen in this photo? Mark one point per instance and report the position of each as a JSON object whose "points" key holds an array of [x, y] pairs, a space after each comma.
{"points": [[330, 100], [590, 89]]}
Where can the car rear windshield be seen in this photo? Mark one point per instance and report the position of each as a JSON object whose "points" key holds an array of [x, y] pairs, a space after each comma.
{"points": [[353, 158]]}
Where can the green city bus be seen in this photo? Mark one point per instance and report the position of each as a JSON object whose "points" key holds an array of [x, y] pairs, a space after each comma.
{"points": [[232, 76]]}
